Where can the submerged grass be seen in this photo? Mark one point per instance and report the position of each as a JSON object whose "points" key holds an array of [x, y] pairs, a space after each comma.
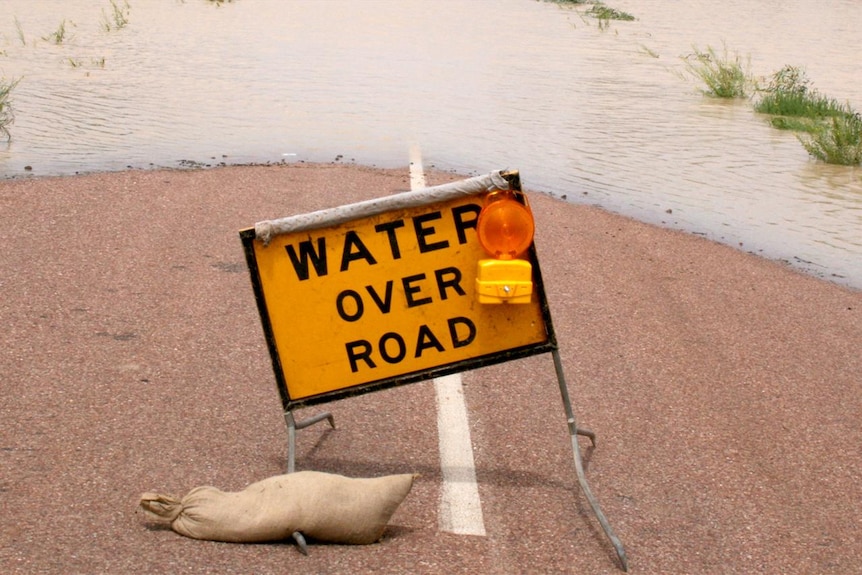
{"points": [[60, 34], [599, 10], [118, 18], [793, 124], [829, 130], [838, 142], [790, 94], [723, 75], [6, 115], [605, 13], [20, 31]]}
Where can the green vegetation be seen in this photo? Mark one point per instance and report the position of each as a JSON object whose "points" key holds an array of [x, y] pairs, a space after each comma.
{"points": [[724, 75], [829, 130], [605, 13], [599, 10], [94, 62], [838, 142], [58, 36], [6, 115], [648, 51], [118, 18], [795, 104], [20, 32], [832, 130]]}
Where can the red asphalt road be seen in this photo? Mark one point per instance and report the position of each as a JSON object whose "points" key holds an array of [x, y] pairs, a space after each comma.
{"points": [[724, 390]]}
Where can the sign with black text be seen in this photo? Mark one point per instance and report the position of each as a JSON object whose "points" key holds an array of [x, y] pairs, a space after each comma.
{"points": [[384, 299]]}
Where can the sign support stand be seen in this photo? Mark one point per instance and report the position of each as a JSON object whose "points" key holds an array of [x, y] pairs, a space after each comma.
{"points": [[400, 272], [579, 464], [293, 425]]}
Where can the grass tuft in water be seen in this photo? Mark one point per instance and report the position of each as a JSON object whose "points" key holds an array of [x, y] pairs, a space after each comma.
{"points": [[724, 75], [6, 115], [793, 124], [119, 17], [837, 142], [599, 10], [60, 35], [830, 131], [20, 31], [604, 13], [648, 51], [790, 94]]}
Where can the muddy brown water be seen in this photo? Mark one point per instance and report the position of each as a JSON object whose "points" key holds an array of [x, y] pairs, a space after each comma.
{"points": [[595, 114]]}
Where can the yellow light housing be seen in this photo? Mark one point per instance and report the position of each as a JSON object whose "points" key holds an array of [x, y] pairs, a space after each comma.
{"points": [[505, 228], [504, 281]]}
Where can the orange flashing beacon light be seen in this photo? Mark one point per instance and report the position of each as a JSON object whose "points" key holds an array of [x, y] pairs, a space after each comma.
{"points": [[505, 228]]}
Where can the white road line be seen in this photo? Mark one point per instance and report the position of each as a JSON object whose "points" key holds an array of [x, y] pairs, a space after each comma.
{"points": [[460, 506], [417, 172]]}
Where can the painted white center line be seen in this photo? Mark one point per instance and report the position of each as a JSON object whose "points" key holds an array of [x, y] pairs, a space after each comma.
{"points": [[460, 506], [417, 172]]}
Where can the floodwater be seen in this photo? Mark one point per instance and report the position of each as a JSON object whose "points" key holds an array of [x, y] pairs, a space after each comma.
{"points": [[596, 114]]}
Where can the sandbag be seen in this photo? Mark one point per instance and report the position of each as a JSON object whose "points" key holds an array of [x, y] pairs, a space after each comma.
{"points": [[324, 506]]}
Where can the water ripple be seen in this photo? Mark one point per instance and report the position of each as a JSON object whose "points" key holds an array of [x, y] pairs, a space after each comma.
{"points": [[598, 116]]}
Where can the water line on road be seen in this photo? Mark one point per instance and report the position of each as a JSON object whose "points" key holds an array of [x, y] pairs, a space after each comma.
{"points": [[460, 505]]}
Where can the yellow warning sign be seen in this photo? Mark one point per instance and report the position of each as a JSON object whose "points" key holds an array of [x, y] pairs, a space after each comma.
{"points": [[382, 300]]}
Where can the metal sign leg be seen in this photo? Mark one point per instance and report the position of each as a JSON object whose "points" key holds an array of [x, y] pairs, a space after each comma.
{"points": [[293, 425], [579, 465]]}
